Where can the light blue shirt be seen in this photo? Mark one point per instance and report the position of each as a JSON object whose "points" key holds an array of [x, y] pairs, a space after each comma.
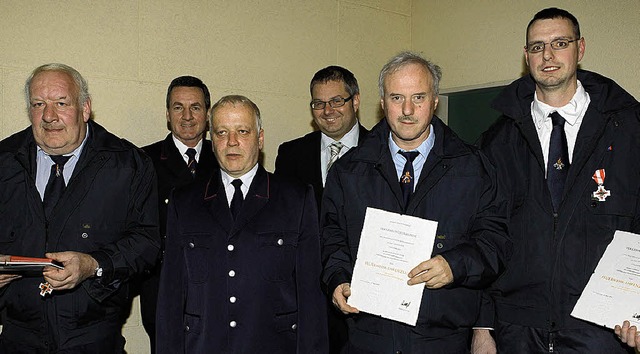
{"points": [[44, 163], [424, 149]]}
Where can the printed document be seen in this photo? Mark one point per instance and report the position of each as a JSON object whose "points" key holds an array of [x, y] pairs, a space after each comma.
{"points": [[390, 246], [612, 294]]}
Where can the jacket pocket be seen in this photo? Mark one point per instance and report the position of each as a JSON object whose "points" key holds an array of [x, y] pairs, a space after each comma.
{"points": [[277, 254], [196, 254]]}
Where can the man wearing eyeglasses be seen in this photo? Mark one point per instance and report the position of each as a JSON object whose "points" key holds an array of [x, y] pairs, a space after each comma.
{"points": [[566, 151], [335, 99]]}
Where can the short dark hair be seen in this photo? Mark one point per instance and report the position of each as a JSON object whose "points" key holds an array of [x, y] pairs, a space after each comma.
{"points": [[554, 12], [336, 73], [189, 81]]}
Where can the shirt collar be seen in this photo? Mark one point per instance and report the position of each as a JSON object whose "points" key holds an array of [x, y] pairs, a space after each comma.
{"points": [[423, 149], [182, 148], [349, 140], [570, 112], [246, 178]]}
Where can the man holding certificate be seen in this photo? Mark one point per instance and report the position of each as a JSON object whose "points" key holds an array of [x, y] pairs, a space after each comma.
{"points": [[566, 151], [413, 164]]}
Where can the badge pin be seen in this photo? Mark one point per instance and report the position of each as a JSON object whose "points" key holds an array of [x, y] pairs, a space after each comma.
{"points": [[406, 178], [45, 288], [559, 165]]}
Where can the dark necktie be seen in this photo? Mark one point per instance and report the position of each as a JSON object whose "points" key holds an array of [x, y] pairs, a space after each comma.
{"points": [[406, 179], [558, 165], [192, 163], [236, 201], [55, 186]]}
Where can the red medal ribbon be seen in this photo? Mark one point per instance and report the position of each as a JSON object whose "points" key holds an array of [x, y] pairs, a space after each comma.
{"points": [[598, 176]]}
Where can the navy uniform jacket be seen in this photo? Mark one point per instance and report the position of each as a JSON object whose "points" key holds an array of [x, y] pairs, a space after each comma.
{"points": [[457, 188], [554, 256], [300, 159], [107, 210], [249, 286], [172, 172]]}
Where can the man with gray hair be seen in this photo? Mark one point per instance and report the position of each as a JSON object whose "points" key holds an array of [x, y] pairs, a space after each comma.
{"points": [[74, 193], [242, 263], [413, 164]]}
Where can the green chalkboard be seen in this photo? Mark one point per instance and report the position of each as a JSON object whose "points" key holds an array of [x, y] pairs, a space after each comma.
{"points": [[469, 112]]}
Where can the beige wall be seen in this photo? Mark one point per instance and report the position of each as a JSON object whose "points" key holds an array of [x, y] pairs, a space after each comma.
{"points": [[479, 42], [130, 50]]}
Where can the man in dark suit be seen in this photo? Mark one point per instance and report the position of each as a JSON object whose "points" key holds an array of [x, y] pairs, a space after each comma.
{"points": [[242, 261], [335, 99], [184, 155]]}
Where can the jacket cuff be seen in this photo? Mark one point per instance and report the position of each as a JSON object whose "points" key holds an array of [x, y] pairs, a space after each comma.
{"points": [[104, 262], [338, 278]]}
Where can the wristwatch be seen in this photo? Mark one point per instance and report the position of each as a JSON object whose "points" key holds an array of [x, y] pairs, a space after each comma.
{"points": [[98, 272]]}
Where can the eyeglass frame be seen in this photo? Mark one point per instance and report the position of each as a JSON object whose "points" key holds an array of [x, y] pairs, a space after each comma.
{"points": [[550, 43], [331, 102]]}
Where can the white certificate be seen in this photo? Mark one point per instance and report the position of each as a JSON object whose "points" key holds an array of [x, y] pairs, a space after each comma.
{"points": [[390, 246], [613, 292]]}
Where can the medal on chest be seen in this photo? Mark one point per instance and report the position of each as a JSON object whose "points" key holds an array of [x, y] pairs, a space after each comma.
{"points": [[601, 193]]}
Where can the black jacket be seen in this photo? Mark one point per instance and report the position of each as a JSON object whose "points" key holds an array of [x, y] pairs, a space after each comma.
{"points": [[107, 210], [554, 256], [300, 159], [172, 172], [249, 285], [457, 188]]}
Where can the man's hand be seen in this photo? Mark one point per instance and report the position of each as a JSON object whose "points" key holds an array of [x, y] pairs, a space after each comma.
{"points": [[628, 334], [434, 273], [77, 267], [482, 342], [5, 279], [340, 295]]}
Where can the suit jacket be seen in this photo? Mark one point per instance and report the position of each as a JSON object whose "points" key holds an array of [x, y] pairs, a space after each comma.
{"points": [[172, 171], [300, 159], [244, 286]]}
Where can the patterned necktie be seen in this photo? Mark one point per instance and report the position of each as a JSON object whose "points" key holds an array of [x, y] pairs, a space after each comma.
{"points": [[192, 163], [406, 179], [335, 151], [55, 186], [236, 201], [558, 165]]}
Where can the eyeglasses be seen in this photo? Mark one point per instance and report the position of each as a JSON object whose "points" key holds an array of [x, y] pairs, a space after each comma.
{"points": [[556, 44], [334, 103]]}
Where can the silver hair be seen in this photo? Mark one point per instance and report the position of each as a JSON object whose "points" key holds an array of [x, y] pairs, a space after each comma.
{"points": [[406, 58], [237, 99], [79, 81]]}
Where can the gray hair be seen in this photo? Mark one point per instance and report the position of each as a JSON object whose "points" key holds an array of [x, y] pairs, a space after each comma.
{"points": [[237, 99], [406, 58], [79, 81]]}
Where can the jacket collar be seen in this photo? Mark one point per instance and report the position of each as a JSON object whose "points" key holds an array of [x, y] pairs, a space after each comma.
{"points": [[257, 197]]}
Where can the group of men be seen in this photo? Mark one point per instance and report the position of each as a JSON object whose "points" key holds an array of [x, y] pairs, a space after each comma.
{"points": [[230, 258]]}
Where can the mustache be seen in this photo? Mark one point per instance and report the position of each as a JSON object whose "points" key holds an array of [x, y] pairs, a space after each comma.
{"points": [[48, 126], [410, 119]]}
